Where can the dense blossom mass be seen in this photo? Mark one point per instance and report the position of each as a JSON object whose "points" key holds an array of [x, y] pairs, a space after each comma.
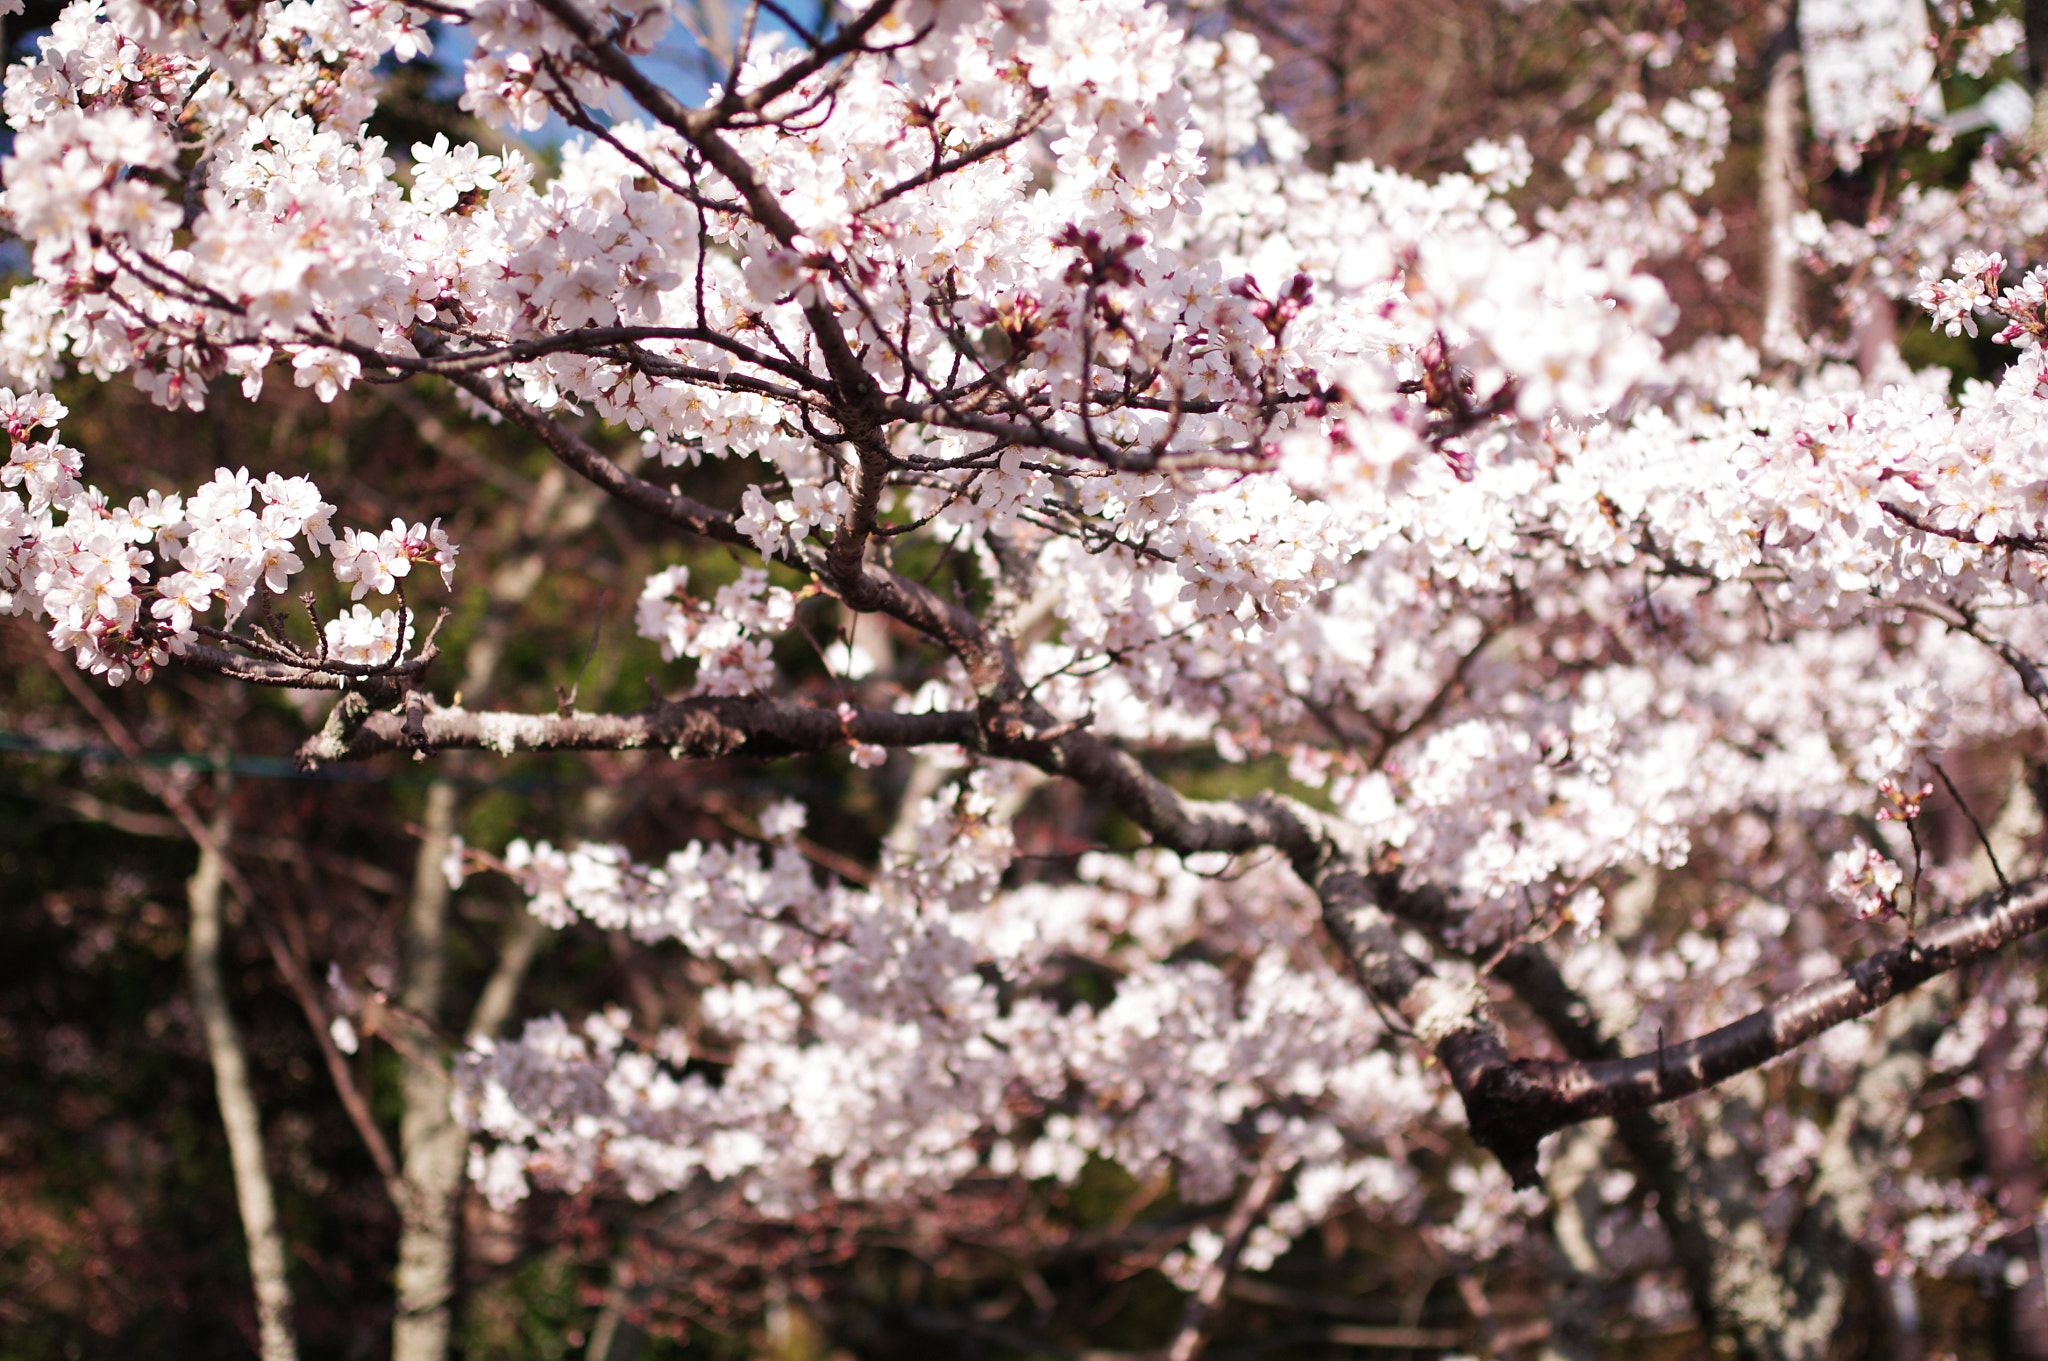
{"points": [[1389, 485]]}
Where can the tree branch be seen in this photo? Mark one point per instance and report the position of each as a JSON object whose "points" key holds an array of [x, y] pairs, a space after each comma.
{"points": [[1514, 1105], [1200, 1317], [708, 726], [289, 965], [1510, 1104], [671, 507]]}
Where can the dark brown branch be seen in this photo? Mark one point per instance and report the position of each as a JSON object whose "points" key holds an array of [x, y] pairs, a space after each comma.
{"points": [[1511, 1105], [2004, 884], [1033, 119], [602, 341], [1958, 619], [849, 40], [612, 62], [1328, 855], [1514, 1105], [698, 126], [2025, 543], [318, 676], [586, 462], [846, 557], [299, 982], [1035, 434], [869, 589]]}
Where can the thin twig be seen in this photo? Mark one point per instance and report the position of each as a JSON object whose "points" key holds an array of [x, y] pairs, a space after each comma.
{"points": [[2004, 884], [167, 793], [1200, 1318]]}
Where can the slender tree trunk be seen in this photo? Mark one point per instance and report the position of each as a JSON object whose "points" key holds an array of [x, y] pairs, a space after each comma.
{"points": [[2035, 15], [433, 1145], [431, 1142], [2009, 1154], [238, 1111], [614, 1337], [1576, 1274], [1777, 189], [1902, 1317]]}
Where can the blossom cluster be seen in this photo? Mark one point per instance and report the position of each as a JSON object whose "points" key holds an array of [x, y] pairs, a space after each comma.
{"points": [[884, 998], [125, 587], [720, 633], [1865, 880]]}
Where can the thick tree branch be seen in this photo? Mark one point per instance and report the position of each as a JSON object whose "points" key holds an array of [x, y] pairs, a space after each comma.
{"points": [[1510, 1104], [1513, 1106], [1332, 858], [605, 341], [696, 728]]}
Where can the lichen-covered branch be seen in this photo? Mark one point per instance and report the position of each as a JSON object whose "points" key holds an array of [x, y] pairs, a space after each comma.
{"points": [[695, 728]]}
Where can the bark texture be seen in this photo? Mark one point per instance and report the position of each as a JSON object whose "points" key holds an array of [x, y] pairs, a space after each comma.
{"points": [[2008, 1135], [1778, 188], [238, 1110], [431, 1142]]}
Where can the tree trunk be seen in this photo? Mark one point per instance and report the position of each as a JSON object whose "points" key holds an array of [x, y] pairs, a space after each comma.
{"points": [[431, 1141], [1777, 190], [238, 1111], [433, 1144], [2009, 1155], [1820, 1255]]}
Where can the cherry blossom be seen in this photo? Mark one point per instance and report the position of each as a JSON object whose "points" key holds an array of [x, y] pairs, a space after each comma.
{"points": [[1377, 481]]}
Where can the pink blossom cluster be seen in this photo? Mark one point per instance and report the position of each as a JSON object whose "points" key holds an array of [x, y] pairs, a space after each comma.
{"points": [[721, 633], [125, 588], [879, 997]]}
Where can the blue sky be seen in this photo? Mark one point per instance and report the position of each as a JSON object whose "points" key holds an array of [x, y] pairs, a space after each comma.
{"points": [[680, 64]]}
